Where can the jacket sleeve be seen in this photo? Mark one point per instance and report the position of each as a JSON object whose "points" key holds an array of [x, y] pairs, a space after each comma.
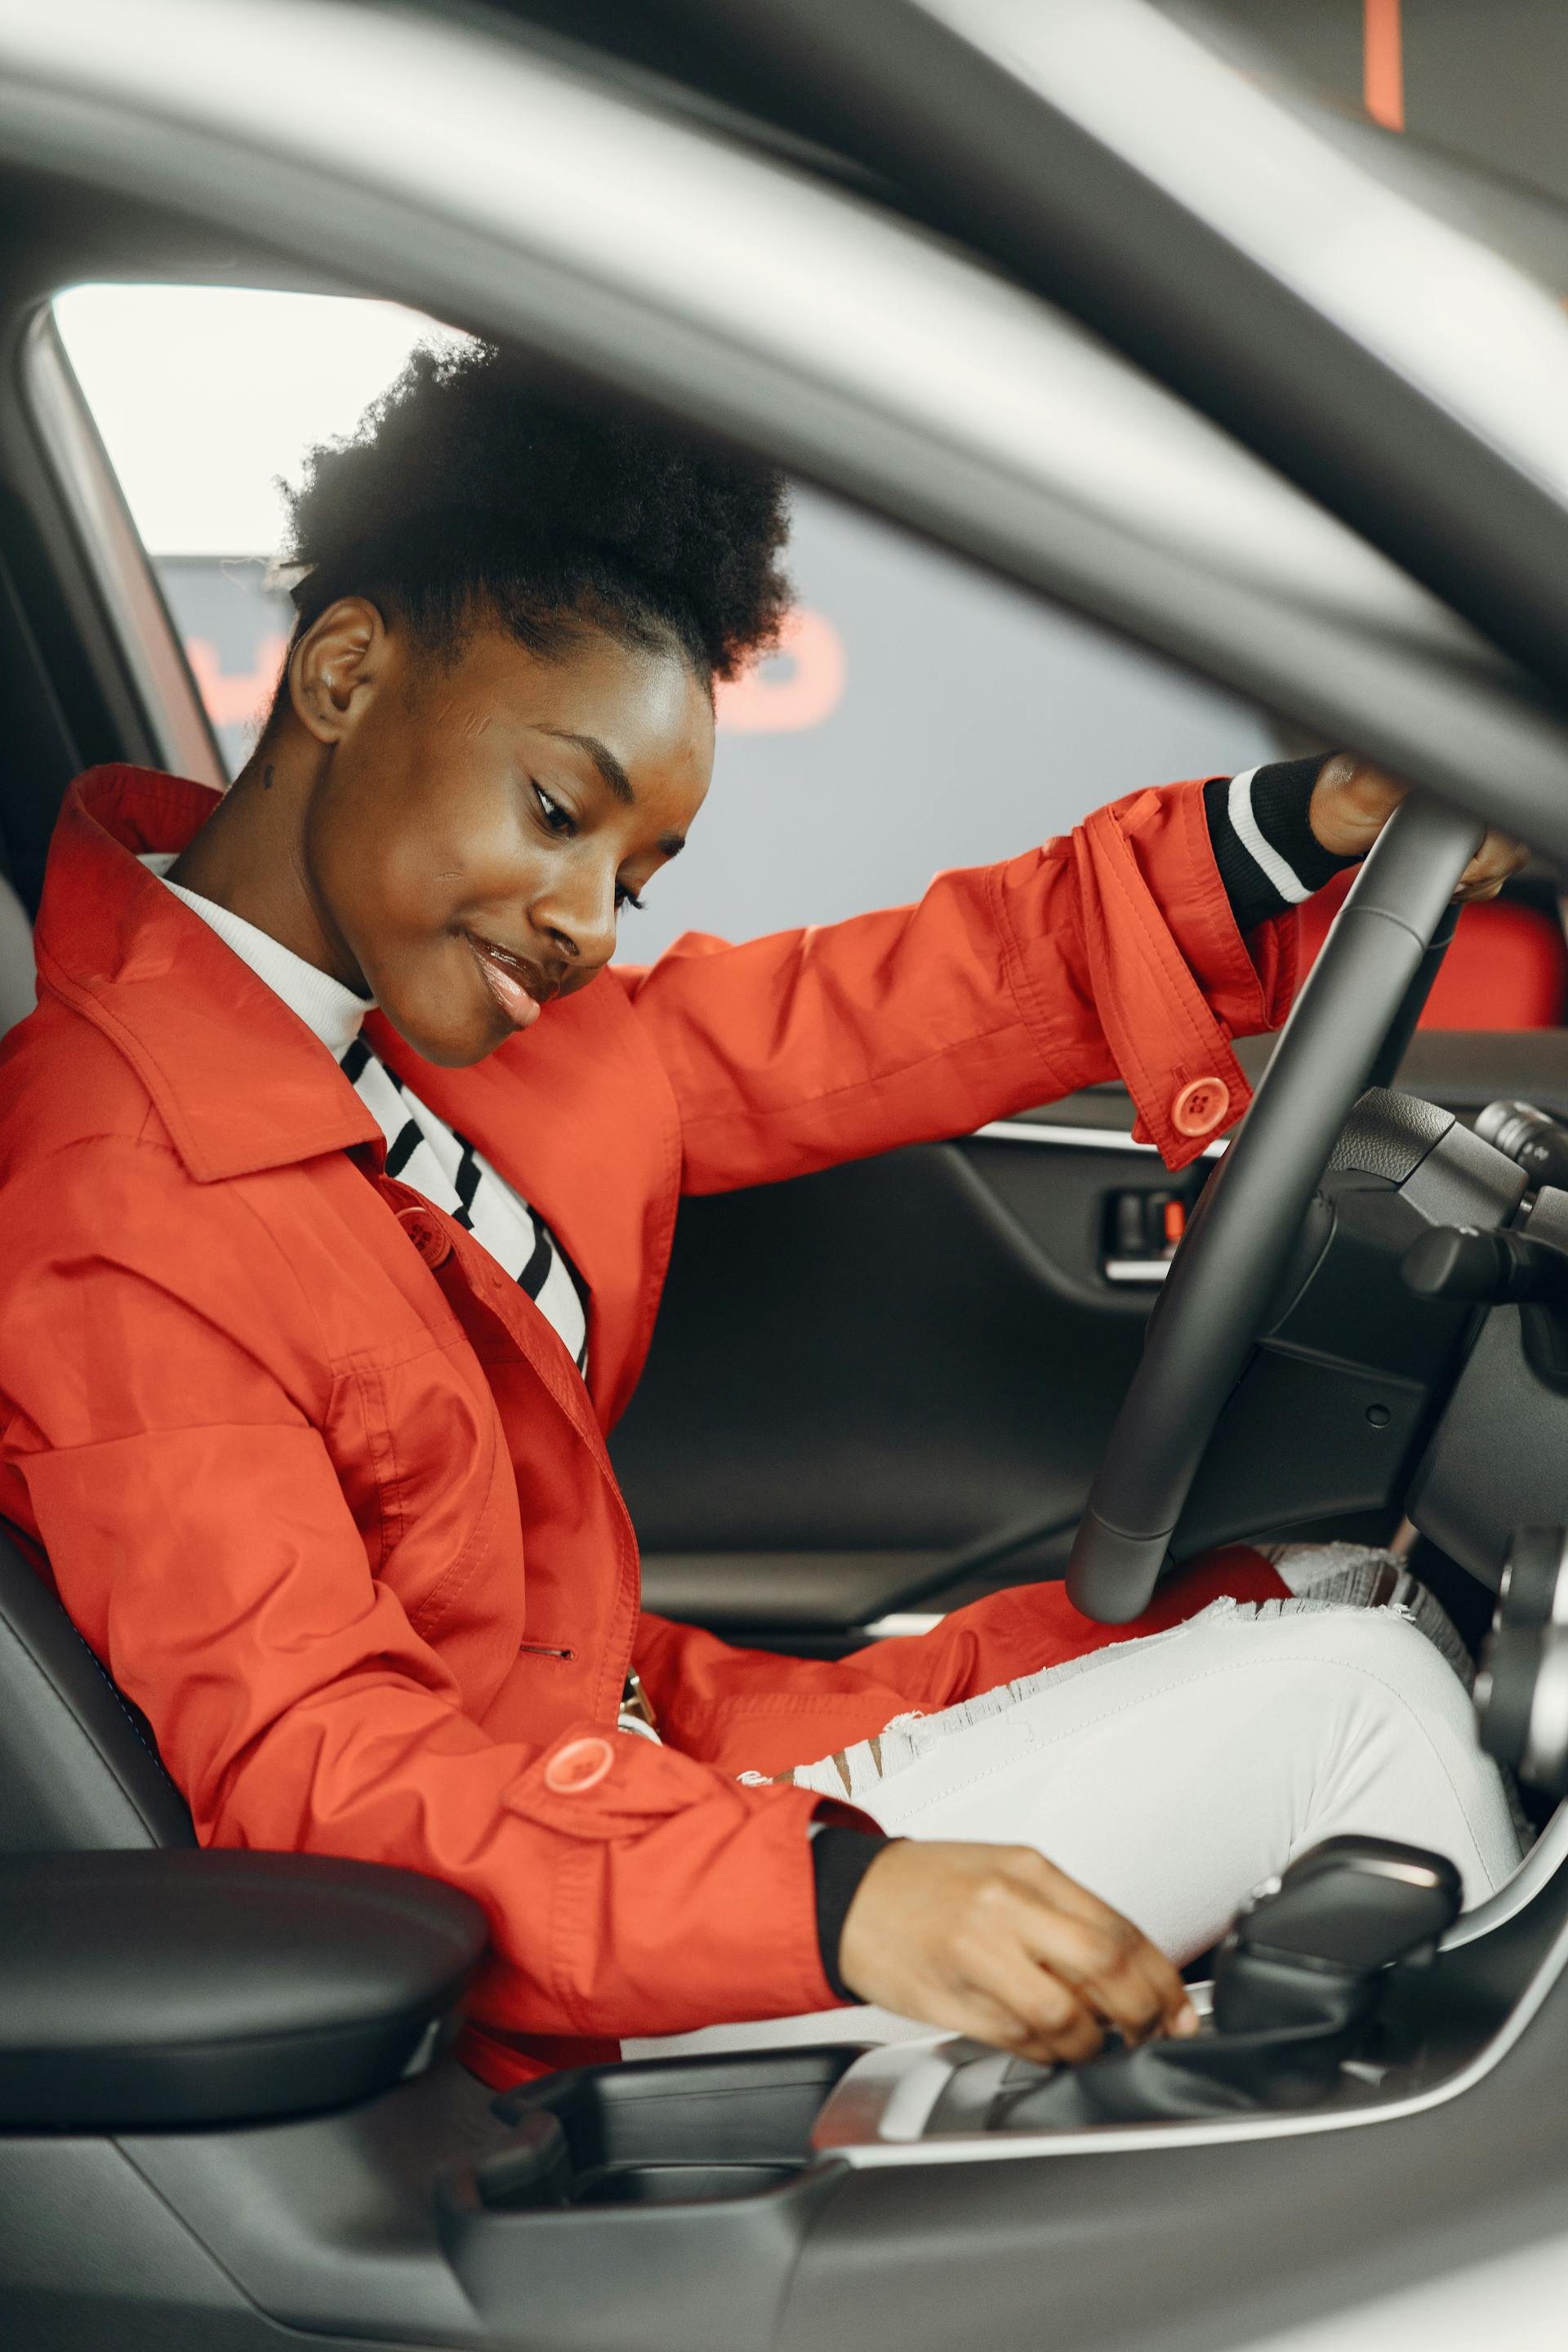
{"points": [[1112, 952], [168, 1431], [751, 1710]]}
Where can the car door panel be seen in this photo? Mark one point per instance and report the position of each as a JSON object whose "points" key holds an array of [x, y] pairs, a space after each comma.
{"points": [[884, 1388], [883, 1365]]}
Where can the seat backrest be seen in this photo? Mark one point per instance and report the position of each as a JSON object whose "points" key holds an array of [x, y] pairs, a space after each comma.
{"points": [[18, 993], [1507, 968], [78, 1771]]}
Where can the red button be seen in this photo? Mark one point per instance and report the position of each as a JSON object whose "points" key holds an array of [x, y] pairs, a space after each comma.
{"points": [[1199, 1108], [581, 1764], [427, 1238]]}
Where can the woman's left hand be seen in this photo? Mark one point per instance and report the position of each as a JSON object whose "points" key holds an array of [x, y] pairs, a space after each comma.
{"points": [[1353, 801]]}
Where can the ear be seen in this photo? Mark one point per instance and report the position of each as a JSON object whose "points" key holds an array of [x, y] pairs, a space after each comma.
{"points": [[336, 667]]}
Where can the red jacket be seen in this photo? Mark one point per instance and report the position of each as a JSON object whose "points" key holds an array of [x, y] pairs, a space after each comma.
{"points": [[321, 1485]]}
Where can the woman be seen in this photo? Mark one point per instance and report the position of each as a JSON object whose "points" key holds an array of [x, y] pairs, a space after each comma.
{"points": [[313, 1315]]}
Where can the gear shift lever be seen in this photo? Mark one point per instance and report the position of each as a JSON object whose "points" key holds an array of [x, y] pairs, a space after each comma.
{"points": [[1311, 1947], [1297, 1981]]}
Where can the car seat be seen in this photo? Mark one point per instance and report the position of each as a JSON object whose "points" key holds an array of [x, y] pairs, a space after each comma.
{"points": [[78, 1769], [18, 992], [1507, 968]]}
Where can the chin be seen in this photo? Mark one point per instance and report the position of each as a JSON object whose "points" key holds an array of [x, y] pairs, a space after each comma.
{"points": [[448, 1046]]}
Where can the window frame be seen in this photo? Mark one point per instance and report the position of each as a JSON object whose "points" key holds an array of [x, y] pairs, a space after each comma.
{"points": [[166, 706]]}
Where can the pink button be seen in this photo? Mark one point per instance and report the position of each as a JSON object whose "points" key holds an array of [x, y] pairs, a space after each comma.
{"points": [[1199, 1108], [581, 1764]]}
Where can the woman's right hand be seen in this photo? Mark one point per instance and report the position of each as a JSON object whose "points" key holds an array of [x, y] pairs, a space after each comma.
{"points": [[994, 1942]]}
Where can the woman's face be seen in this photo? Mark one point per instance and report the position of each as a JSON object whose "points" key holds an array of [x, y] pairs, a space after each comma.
{"points": [[482, 821]]}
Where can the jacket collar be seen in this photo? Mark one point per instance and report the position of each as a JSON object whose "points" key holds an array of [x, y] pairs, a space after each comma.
{"points": [[241, 1084], [159, 983]]}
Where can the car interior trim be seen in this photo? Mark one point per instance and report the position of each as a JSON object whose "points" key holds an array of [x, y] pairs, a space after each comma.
{"points": [[851, 2122], [1075, 1138], [170, 706], [1107, 157]]}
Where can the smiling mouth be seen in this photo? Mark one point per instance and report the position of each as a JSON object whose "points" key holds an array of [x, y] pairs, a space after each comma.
{"points": [[519, 988]]}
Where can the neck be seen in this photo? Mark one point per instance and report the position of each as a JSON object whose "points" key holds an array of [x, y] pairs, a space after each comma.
{"points": [[250, 857]]}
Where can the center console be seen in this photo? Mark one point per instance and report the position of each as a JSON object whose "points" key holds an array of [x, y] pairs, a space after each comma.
{"points": [[700, 2176], [740, 2203]]}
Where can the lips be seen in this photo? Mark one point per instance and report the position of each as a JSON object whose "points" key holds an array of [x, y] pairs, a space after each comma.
{"points": [[520, 989]]}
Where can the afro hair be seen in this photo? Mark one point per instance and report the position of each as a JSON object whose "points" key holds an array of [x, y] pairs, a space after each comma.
{"points": [[468, 486]]}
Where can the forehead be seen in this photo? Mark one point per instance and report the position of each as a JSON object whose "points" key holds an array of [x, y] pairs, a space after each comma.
{"points": [[645, 707]]}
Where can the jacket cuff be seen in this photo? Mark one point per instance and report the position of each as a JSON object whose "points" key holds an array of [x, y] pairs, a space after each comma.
{"points": [[1166, 969], [1260, 830], [839, 1861]]}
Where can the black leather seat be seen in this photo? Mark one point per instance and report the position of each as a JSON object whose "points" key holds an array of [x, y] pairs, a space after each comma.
{"points": [[78, 1769], [159, 1990]]}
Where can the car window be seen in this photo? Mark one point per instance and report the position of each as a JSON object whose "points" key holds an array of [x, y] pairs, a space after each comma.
{"points": [[918, 714]]}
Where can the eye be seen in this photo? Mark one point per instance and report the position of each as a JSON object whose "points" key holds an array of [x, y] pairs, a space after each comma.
{"points": [[558, 819], [626, 897]]}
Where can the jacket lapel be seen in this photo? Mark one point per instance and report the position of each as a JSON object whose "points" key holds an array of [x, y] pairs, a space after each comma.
{"points": [[578, 1115]]}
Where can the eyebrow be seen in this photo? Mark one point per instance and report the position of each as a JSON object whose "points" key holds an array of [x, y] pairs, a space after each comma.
{"points": [[604, 759]]}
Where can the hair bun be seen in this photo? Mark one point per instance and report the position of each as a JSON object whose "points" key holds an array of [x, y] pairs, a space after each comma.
{"points": [[469, 480]]}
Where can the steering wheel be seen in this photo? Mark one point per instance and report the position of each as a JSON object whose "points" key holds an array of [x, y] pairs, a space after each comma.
{"points": [[1363, 995]]}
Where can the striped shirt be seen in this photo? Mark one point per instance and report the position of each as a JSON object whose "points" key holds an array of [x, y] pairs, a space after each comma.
{"points": [[423, 1151]]}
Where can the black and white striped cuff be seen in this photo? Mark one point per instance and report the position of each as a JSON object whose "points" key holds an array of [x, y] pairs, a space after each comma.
{"points": [[1261, 829]]}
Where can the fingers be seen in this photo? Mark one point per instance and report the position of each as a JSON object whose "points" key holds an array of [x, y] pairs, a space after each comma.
{"points": [[1489, 868], [1131, 1982], [1113, 1972], [1066, 1974], [1033, 2012], [1352, 801], [994, 1941]]}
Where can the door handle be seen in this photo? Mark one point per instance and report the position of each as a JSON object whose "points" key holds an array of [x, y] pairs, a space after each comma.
{"points": [[1142, 1232]]}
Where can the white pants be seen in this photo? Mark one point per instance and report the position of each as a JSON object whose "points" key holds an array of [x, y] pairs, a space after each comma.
{"points": [[1171, 1775]]}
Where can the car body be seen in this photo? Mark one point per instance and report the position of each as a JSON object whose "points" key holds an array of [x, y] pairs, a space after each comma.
{"points": [[966, 274]]}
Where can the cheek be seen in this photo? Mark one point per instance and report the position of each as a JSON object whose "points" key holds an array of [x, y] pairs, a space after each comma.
{"points": [[424, 848]]}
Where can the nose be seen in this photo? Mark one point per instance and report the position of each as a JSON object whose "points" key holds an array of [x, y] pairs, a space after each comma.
{"points": [[577, 913]]}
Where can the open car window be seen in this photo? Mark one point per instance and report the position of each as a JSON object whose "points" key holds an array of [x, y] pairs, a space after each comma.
{"points": [[997, 720]]}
